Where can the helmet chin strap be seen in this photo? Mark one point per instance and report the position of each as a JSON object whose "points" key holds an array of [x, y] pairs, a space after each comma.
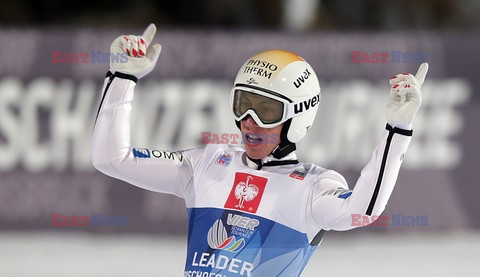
{"points": [[285, 147]]}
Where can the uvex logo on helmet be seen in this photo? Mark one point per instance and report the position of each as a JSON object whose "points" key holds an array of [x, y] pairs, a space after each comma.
{"points": [[300, 80], [307, 104]]}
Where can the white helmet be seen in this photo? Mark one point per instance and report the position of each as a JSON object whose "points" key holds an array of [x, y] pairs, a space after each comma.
{"points": [[287, 83]]}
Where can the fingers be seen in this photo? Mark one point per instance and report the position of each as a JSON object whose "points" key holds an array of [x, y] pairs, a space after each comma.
{"points": [[149, 33], [401, 86], [134, 46], [142, 46], [405, 97], [403, 77], [421, 73], [418, 79], [119, 45], [133, 41], [399, 90], [404, 92]]}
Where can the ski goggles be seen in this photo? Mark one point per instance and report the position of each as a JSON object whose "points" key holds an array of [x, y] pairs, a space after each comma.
{"points": [[269, 109]]}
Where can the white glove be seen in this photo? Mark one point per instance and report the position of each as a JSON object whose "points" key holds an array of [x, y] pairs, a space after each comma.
{"points": [[405, 97], [141, 56]]}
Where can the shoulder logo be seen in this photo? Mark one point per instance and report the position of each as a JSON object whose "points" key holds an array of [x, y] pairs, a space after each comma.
{"points": [[246, 193], [141, 152], [224, 159], [338, 192], [145, 153], [297, 174], [345, 194]]}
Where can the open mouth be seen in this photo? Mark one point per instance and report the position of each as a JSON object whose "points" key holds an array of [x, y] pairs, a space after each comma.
{"points": [[253, 139]]}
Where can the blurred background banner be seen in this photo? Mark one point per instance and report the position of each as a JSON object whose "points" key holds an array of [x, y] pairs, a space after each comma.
{"points": [[50, 84]]}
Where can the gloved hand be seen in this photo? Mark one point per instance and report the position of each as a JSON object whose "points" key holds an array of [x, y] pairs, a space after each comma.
{"points": [[142, 56], [405, 97]]}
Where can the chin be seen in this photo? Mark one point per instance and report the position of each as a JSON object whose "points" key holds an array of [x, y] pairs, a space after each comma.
{"points": [[257, 155]]}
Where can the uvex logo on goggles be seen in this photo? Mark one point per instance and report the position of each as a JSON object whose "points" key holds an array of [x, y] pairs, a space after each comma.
{"points": [[307, 104]]}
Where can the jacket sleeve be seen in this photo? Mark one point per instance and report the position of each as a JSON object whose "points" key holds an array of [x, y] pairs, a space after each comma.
{"points": [[335, 207], [112, 154]]}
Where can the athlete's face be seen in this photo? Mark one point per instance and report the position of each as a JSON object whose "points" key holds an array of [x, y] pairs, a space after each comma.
{"points": [[259, 142]]}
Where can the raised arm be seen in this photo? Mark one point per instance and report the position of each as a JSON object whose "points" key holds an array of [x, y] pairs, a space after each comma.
{"points": [[112, 154], [333, 205]]}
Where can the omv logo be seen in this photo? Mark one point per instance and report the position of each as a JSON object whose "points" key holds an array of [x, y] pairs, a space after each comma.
{"points": [[218, 239]]}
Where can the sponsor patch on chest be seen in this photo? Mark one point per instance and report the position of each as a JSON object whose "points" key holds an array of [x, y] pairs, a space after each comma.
{"points": [[246, 193]]}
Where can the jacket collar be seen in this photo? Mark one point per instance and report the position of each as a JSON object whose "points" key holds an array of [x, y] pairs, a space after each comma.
{"points": [[269, 160]]}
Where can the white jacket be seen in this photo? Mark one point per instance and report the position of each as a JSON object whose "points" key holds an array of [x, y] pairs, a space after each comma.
{"points": [[244, 221]]}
